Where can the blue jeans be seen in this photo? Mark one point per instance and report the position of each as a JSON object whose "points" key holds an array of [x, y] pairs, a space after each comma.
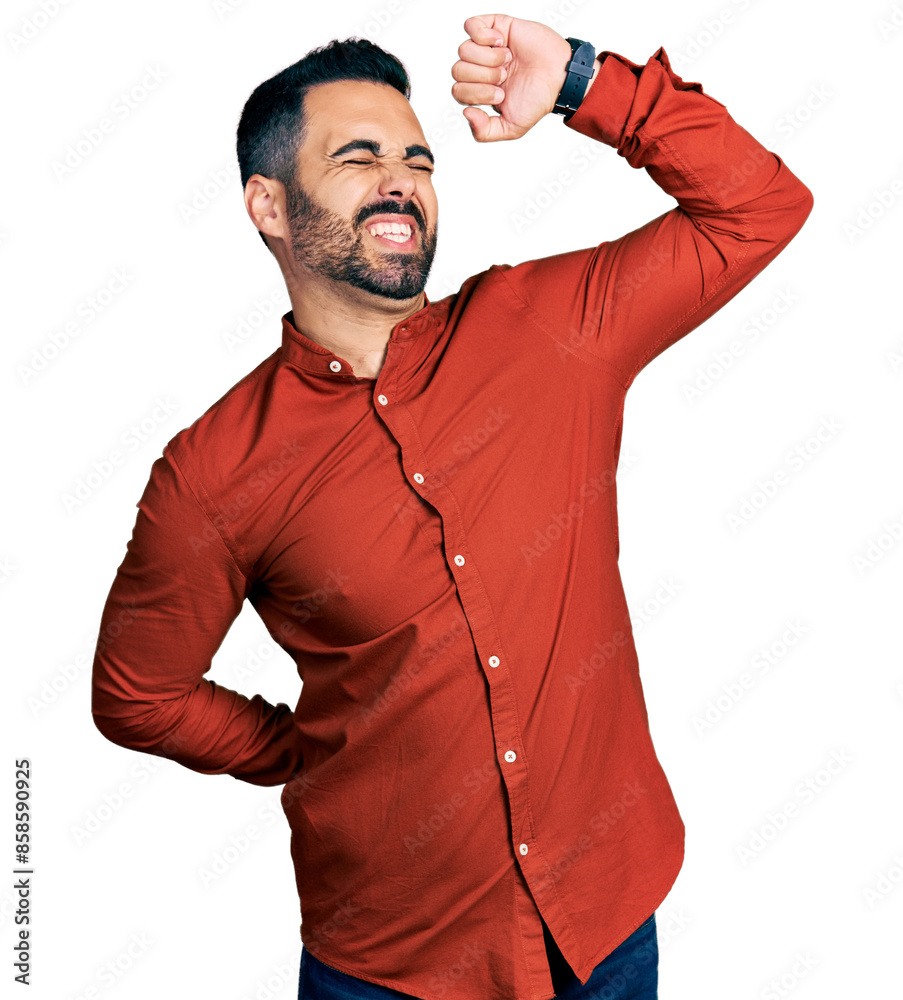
{"points": [[630, 972]]}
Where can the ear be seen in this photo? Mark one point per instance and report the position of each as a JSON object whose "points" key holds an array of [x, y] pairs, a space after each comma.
{"points": [[265, 202]]}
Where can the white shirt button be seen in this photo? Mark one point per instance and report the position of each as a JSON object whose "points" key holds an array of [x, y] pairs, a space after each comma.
{"points": [[493, 661], [418, 478], [382, 399], [523, 848], [510, 756], [459, 560], [336, 366]]}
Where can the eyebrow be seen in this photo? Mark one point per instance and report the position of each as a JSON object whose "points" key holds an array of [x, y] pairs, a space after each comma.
{"points": [[371, 146]]}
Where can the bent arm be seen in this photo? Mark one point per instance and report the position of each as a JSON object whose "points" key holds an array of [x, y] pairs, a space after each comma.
{"points": [[173, 599], [738, 206]]}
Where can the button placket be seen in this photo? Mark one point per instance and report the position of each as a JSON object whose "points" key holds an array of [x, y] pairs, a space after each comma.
{"points": [[503, 715]]}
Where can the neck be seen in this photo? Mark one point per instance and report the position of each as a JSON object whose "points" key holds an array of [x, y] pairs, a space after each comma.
{"points": [[352, 323]]}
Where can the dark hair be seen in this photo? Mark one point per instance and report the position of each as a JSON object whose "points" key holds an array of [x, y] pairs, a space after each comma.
{"points": [[272, 125]]}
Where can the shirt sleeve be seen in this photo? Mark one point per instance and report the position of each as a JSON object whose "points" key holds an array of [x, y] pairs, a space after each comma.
{"points": [[738, 206], [173, 599]]}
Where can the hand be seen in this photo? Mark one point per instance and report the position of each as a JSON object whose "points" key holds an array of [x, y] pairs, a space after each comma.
{"points": [[516, 66]]}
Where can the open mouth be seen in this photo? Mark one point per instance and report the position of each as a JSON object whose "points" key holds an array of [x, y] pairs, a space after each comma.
{"points": [[397, 235]]}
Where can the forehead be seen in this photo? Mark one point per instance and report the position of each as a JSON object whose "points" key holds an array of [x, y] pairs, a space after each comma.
{"points": [[342, 110]]}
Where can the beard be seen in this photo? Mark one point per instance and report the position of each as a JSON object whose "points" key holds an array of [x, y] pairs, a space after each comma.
{"points": [[326, 243]]}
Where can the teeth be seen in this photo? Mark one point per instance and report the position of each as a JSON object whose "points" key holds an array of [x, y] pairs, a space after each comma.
{"points": [[391, 230]]}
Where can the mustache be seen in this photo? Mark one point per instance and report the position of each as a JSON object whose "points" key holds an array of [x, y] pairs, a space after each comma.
{"points": [[391, 208]]}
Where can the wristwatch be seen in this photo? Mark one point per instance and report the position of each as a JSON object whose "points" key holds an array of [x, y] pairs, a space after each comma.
{"points": [[579, 73]]}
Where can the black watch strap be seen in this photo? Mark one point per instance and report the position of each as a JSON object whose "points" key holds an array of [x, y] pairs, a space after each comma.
{"points": [[579, 72]]}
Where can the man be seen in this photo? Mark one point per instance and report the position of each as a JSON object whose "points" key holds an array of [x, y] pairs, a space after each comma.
{"points": [[418, 498]]}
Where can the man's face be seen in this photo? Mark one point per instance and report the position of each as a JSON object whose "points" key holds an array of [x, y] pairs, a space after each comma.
{"points": [[341, 193]]}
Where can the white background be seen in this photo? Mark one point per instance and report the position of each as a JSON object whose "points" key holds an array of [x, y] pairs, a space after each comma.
{"points": [[121, 838]]}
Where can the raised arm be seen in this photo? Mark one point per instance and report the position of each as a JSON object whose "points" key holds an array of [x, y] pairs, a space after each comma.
{"points": [[738, 204]]}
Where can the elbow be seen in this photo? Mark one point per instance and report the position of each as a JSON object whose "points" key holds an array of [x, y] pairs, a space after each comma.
{"points": [[130, 725], [802, 207], [784, 222], [114, 729]]}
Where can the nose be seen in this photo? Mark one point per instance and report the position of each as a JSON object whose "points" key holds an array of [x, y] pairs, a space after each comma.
{"points": [[396, 180]]}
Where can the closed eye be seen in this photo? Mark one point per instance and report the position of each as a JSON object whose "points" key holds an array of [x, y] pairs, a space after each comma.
{"points": [[367, 163]]}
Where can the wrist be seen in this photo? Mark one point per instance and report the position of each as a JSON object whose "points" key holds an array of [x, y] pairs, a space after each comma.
{"points": [[597, 65], [579, 72]]}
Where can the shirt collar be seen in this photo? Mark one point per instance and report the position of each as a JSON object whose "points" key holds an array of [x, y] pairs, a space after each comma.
{"points": [[310, 356]]}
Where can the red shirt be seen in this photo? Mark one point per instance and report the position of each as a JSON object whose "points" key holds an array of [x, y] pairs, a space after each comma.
{"points": [[437, 550]]}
